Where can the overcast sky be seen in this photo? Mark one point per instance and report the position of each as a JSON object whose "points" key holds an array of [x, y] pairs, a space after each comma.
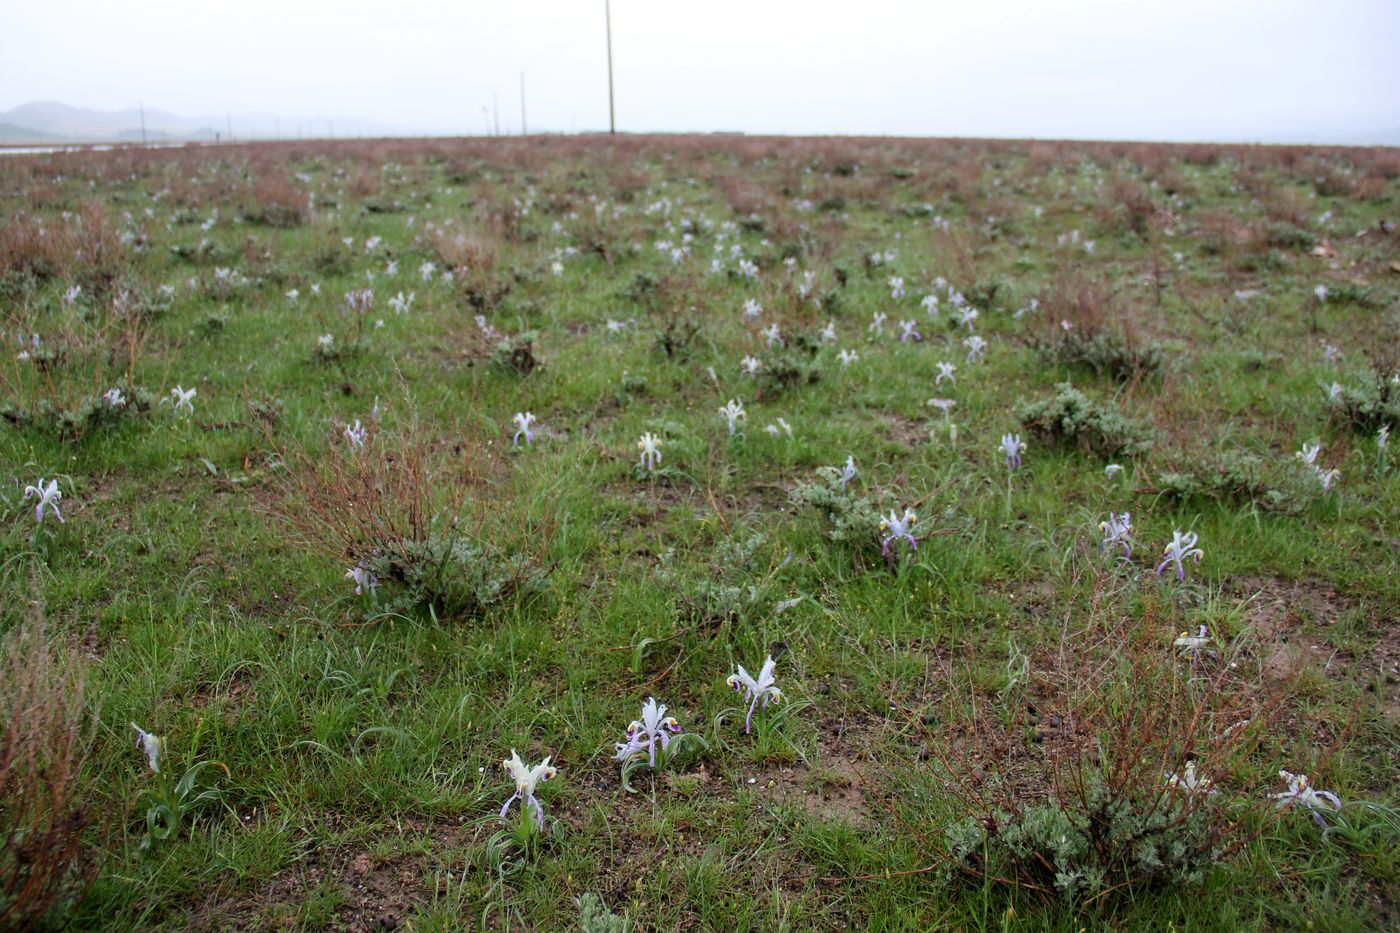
{"points": [[1186, 69]]}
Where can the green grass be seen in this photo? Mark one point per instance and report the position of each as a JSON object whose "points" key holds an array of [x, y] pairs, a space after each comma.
{"points": [[363, 752]]}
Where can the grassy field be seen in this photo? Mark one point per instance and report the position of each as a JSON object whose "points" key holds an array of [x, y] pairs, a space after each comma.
{"points": [[993, 722]]}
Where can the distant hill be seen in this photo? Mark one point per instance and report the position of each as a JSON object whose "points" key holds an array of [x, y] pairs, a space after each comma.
{"points": [[54, 122]]}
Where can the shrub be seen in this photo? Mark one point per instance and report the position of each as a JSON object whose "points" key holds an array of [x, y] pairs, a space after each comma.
{"points": [[1070, 418], [43, 749], [432, 526], [734, 588], [1237, 477], [1066, 787], [850, 519]]}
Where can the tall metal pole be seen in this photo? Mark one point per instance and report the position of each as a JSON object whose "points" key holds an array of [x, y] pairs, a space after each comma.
{"points": [[524, 130], [612, 119]]}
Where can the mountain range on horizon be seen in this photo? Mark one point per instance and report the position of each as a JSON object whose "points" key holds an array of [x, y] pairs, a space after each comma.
{"points": [[56, 123], [52, 122]]}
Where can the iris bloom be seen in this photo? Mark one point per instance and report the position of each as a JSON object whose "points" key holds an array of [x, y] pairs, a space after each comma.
{"points": [[650, 446], [1117, 530], [114, 397], [1190, 782], [967, 317], [909, 330], [362, 579], [750, 366], [828, 334], [847, 357], [848, 472], [1321, 293], [756, 689], [772, 335], [734, 413], [930, 304], [48, 496], [151, 744], [945, 371], [897, 527], [182, 398], [1309, 453], [1194, 645], [1012, 446], [355, 434], [896, 287], [643, 734], [526, 780], [976, 346], [523, 420], [1302, 794], [752, 309], [877, 323], [1183, 546], [779, 429]]}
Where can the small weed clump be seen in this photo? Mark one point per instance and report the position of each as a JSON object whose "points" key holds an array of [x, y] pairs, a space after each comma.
{"points": [[1071, 419]]}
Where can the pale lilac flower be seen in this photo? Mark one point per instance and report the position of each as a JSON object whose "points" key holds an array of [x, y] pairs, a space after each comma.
{"points": [[898, 527], [772, 335], [293, 295], [70, 295], [748, 269], [182, 398], [1321, 293], [1012, 446], [360, 300], [1330, 353], [1302, 794], [733, 413], [945, 371], [877, 323], [1194, 646], [779, 429], [896, 287], [326, 343], [362, 579], [944, 405], [1309, 453], [976, 346], [756, 689], [391, 268], [1190, 782], [828, 334], [151, 744], [1326, 477], [556, 268], [650, 446], [48, 496], [356, 434], [1112, 470], [526, 781], [114, 397], [487, 331], [400, 304], [909, 331], [522, 421], [1382, 442], [848, 472], [370, 244], [1117, 530], [752, 309], [930, 304], [1182, 546], [750, 366], [968, 316], [1334, 393], [847, 357], [426, 270], [642, 735]]}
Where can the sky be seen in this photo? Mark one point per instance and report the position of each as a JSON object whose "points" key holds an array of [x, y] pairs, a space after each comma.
{"points": [[1282, 70]]}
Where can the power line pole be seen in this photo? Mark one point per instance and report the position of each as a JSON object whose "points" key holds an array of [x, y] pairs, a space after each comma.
{"points": [[612, 119], [524, 130], [228, 122], [142, 107]]}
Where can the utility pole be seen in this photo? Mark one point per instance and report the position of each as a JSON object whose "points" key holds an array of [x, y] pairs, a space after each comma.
{"points": [[495, 114], [228, 122], [142, 107], [524, 130], [612, 119], [485, 121]]}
